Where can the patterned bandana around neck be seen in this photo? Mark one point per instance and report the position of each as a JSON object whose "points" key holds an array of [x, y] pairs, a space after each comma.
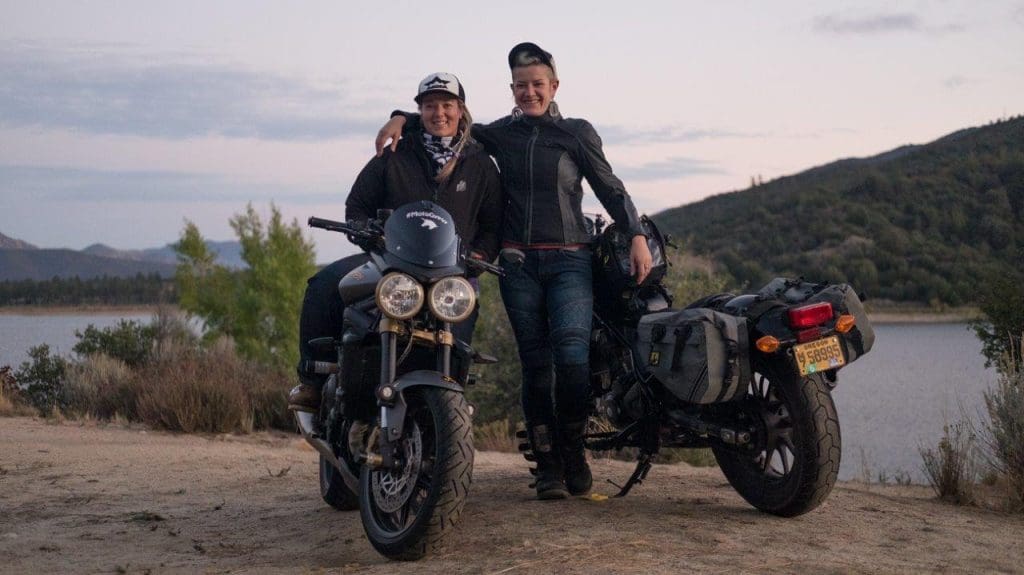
{"points": [[442, 149]]}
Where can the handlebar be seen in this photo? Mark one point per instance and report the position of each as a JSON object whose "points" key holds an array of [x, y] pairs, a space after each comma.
{"points": [[482, 266], [375, 235], [342, 227]]}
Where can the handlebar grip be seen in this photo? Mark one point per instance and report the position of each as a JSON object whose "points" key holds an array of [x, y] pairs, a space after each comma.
{"points": [[315, 222]]}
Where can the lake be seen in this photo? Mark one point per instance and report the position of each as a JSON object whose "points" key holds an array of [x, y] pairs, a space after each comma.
{"points": [[890, 402]]}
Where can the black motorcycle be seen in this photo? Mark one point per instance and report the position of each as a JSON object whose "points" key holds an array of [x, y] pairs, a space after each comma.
{"points": [[749, 376], [394, 429]]}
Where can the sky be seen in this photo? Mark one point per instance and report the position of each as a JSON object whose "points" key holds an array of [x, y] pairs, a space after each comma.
{"points": [[119, 121]]}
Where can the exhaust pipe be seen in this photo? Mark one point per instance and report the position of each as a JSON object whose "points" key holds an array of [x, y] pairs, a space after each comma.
{"points": [[304, 419]]}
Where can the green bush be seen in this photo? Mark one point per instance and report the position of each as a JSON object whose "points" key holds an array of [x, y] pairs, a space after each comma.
{"points": [[1002, 301], [43, 380], [129, 341]]}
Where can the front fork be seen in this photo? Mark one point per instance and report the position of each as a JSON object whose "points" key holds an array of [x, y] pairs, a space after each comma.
{"points": [[390, 399]]}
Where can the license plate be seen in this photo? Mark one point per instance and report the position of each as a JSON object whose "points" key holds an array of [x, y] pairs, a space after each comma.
{"points": [[818, 355]]}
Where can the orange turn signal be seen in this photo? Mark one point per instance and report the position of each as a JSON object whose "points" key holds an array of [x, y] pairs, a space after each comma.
{"points": [[768, 344], [845, 323]]}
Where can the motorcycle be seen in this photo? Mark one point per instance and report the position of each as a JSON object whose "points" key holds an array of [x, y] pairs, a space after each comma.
{"points": [[394, 429], [749, 376]]}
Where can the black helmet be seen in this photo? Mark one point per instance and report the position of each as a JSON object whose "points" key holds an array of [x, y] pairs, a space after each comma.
{"points": [[422, 233]]}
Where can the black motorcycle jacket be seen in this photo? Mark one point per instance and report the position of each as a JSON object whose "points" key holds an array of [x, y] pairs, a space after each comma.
{"points": [[543, 161], [472, 194]]}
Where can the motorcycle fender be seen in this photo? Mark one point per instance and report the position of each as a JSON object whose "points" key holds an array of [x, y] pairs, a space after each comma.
{"points": [[392, 419]]}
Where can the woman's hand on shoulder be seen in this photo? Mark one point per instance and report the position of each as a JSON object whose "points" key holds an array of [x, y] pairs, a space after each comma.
{"points": [[640, 260], [391, 131]]}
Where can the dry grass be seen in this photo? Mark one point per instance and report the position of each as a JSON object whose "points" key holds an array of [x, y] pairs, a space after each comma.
{"points": [[103, 388], [1003, 435], [495, 436], [11, 402], [951, 468]]}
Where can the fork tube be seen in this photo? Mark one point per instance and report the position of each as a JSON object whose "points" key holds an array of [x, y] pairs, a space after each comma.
{"points": [[445, 360], [387, 358]]}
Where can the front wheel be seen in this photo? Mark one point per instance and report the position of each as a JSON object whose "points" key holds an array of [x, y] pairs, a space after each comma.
{"points": [[407, 513], [794, 461], [333, 489]]}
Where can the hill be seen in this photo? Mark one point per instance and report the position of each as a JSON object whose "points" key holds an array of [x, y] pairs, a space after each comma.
{"points": [[20, 260], [921, 223], [45, 264]]}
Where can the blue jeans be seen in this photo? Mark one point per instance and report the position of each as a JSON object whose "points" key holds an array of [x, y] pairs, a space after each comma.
{"points": [[549, 301]]}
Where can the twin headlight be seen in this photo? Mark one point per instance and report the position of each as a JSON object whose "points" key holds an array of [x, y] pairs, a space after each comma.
{"points": [[399, 296]]}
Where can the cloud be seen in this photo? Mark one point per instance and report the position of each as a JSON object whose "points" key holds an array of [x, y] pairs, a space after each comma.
{"points": [[668, 169], [48, 184], [107, 90], [954, 82], [615, 135], [879, 24]]}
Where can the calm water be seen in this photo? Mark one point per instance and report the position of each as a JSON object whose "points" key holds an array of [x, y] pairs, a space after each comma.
{"points": [[896, 398], [20, 332], [890, 402]]}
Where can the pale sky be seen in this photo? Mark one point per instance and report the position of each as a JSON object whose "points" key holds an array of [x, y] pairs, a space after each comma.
{"points": [[119, 120]]}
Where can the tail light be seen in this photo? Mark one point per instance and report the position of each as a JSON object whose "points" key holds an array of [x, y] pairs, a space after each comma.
{"points": [[810, 315]]}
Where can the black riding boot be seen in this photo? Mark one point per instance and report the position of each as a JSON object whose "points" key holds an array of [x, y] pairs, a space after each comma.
{"points": [[549, 463], [577, 473]]}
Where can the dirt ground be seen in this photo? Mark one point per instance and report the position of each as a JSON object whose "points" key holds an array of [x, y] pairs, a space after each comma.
{"points": [[84, 498]]}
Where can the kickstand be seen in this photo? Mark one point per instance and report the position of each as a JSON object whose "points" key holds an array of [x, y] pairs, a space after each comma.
{"points": [[643, 467]]}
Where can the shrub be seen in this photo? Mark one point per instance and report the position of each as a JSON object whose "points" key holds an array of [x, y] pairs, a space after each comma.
{"points": [[951, 468], [194, 390], [11, 401], [43, 380], [1001, 298], [129, 341], [102, 387], [495, 436], [1003, 434]]}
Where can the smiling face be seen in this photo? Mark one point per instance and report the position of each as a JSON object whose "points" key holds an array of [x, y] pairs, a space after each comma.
{"points": [[533, 88], [440, 114]]}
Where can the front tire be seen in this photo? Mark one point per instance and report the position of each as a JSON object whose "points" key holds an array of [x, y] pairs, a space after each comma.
{"points": [[406, 514], [333, 489], [795, 461]]}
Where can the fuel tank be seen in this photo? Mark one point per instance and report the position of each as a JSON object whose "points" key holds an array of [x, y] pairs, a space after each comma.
{"points": [[359, 283]]}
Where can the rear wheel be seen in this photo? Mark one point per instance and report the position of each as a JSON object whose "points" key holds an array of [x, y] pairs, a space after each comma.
{"points": [[407, 513], [797, 448]]}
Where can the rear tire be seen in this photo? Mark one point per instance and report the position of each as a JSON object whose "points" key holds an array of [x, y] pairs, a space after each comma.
{"points": [[407, 514], [334, 490], [795, 462]]}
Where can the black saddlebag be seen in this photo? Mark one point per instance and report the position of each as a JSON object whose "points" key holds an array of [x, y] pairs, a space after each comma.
{"points": [[700, 355], [844, 300]]}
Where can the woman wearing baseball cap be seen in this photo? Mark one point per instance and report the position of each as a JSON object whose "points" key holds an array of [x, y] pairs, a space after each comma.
{"points": [[547, 291], [439, 162]]}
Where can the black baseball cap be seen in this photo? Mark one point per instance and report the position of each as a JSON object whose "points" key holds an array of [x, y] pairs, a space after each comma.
{"points": [[530, 50]]}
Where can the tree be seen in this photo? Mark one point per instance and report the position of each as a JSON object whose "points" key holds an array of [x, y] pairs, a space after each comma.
{"points": [[1002, 302], [257, 307]]}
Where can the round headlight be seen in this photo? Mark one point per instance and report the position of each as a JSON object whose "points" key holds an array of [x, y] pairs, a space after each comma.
{"points": [[399, 296], [452, 299]]}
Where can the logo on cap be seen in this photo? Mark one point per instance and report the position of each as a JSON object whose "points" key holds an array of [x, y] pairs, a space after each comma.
{"points": [[435, 82]]}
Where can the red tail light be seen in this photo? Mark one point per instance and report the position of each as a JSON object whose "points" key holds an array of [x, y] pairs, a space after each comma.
{"points": [[810, 315]]}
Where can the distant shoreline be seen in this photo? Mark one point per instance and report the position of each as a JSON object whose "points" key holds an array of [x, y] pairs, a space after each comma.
{"points": [[887, 316], [42, 310]]}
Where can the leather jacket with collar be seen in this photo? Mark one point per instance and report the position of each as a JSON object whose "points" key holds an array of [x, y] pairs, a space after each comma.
{"points": [[543, 162]]}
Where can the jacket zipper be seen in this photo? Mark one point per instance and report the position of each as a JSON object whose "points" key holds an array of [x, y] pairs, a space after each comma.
{"points": [[529, 199]]}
